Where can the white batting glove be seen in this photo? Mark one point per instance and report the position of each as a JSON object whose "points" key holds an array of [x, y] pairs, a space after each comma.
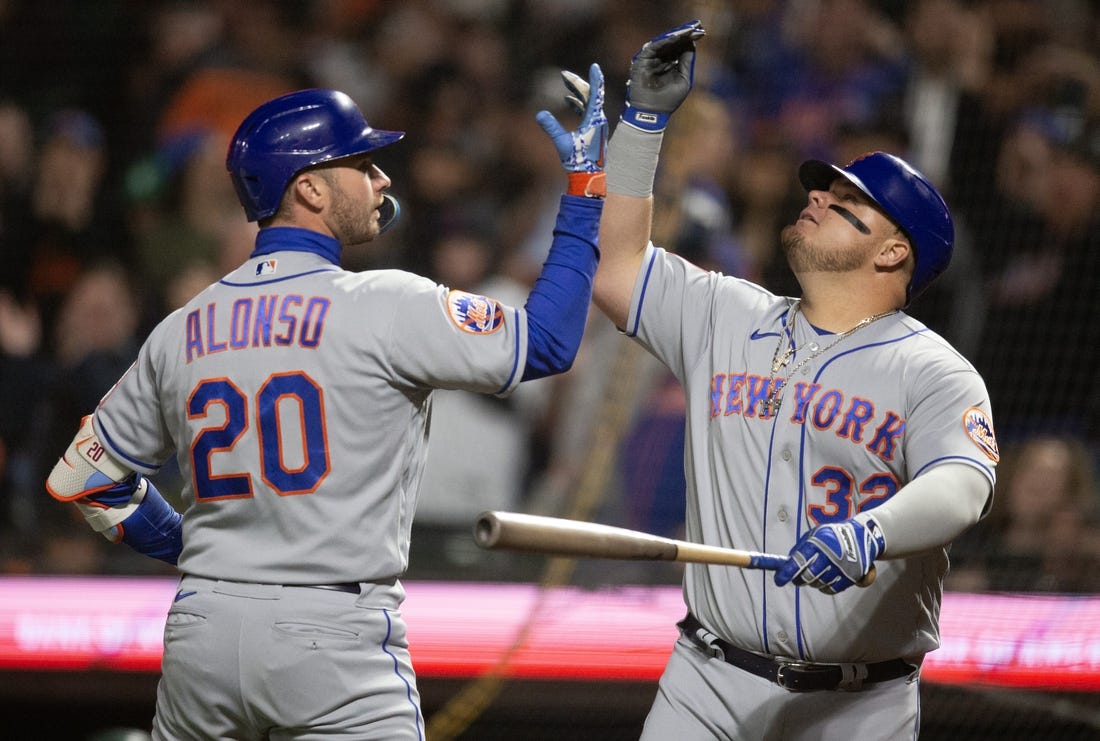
{"points": [[834, 556]]}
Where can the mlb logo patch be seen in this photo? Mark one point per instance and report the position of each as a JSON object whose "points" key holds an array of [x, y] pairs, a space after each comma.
{"points": [[979, 428], [474, 314], [266, 267]]}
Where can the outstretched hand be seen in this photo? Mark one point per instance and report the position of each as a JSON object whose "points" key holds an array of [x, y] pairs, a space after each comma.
{"points": [[834, 556], [661, 76], [582, 150]]}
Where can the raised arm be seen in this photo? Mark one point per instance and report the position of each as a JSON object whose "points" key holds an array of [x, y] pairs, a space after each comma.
{"points": [[557, 307], [661, 75]]}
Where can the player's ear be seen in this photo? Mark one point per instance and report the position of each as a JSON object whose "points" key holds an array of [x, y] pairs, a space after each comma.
{"points": [[895, 252], [311, 188]]}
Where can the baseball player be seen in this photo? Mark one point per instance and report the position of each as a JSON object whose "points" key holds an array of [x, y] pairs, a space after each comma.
{"points": [[830, 427], [296, 398]]}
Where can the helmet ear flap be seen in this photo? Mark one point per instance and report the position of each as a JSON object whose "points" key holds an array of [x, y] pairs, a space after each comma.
{"points": [[252, 187]]}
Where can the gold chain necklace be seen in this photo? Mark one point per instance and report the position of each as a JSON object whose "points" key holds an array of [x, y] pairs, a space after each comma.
{"points": [[775, 390]]}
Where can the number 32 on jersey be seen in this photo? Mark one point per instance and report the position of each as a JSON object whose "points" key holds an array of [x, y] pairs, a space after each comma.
{"points": [[843, 498]]}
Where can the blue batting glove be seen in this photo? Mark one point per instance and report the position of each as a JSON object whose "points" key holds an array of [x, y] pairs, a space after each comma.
{"points": [[661, 76], [581, 150], [834, 556]]}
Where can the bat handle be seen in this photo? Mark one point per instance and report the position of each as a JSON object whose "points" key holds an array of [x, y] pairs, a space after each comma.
{"points": [[768, 561], [868, 578]]}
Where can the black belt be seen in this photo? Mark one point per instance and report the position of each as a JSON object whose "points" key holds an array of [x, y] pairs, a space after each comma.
{"points": [[351, 587], [795, 676]]}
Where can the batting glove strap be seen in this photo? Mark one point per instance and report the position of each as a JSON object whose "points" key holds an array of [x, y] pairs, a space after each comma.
{"points": [[120, 494], [835, 556], [645, 120]]}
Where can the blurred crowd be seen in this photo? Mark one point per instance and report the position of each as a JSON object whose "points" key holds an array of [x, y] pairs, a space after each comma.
{"points": [[115, 208]]}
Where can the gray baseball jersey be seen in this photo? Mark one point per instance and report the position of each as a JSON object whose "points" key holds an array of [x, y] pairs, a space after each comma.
{"points": [[298, 394], [858, 420]]}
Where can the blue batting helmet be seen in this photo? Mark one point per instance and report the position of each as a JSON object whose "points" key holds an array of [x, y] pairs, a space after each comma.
{"points": [[907, 197], [290, 133]]}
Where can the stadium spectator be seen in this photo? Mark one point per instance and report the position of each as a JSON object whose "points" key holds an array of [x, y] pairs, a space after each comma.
{"points": [[75, 216], [1042, 534], [95, 339], [1043, 281]]}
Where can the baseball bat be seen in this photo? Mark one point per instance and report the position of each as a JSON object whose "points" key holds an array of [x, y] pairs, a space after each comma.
{"points": [[555, 536], [560, 537]]}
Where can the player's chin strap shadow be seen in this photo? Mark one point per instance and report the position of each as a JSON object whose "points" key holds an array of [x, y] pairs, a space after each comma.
{"points": [[388, 212]]}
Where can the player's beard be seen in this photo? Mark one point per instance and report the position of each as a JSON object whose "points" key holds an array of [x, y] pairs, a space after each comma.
{"points": [[806, 256], [352, 221]]}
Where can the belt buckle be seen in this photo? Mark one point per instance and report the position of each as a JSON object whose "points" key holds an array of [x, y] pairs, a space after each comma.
{"points": [[793, 684]]}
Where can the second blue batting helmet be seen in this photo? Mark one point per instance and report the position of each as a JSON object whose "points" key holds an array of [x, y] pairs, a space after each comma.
{"points": [[290, 133], [907, 197]]}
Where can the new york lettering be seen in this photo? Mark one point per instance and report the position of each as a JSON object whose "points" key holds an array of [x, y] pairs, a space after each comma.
{"points": [[852, 418]]}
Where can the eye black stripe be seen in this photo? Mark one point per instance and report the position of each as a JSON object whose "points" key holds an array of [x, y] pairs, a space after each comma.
{"points": [[852, 219]]}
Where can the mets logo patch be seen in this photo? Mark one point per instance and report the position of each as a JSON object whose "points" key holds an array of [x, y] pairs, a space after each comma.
{"points": [[980, 429], [474, 314]]}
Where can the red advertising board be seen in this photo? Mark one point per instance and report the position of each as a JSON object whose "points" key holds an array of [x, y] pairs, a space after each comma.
{"points": [[462, 630]]}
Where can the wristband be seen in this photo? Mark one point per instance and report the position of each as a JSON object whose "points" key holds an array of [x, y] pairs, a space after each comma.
{"points": [[587, 184], [632, 161]]}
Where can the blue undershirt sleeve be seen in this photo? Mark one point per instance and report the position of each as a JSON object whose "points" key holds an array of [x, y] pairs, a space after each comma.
{"points": [[557, 307], [154, 528]]}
